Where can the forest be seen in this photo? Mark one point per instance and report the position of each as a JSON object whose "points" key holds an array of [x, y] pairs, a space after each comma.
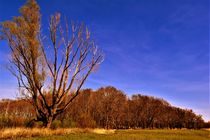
{"points": [[107, 108]]}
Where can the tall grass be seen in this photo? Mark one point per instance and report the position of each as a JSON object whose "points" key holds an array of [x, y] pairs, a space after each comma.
{"points": [[11, 133]]}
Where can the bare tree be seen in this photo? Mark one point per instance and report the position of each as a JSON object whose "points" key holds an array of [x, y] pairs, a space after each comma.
{"points": [[50, 75]]}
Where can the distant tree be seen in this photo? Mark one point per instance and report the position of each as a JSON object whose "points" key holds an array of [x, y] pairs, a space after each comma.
{"points": [[112, 107], [50, 75]]}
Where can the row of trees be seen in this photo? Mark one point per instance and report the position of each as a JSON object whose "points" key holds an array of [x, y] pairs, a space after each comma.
{"points": [[109, 107]]}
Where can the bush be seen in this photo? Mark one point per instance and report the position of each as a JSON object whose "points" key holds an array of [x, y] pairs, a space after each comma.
{"points": [[68, 123], [56, 124], [12, 121], [5, 121]]}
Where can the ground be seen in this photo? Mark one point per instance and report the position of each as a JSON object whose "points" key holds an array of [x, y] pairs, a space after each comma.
{"points": [[133, 135]]}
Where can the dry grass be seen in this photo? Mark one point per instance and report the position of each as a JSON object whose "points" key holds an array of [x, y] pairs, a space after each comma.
{"points": [[103, 131], [10, 133]]}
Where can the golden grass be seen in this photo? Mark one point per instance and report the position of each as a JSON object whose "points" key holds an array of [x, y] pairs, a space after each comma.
{"points": [[9, 133], [103, 131]]}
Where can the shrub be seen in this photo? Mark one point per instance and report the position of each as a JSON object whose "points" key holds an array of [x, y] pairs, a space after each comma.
{"points": [[68, 123], [5, 121], [56, 124], [12, 121]]}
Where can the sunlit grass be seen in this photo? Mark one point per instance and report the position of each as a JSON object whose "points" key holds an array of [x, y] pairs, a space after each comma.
{"points": [[11, 133], [102, 134], [140, 135]]}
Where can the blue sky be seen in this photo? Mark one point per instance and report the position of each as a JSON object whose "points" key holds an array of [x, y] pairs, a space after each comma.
{"points": [[154, 47]]}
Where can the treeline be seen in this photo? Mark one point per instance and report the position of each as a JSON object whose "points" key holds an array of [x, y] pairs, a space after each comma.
{"points": [[107, 108]]}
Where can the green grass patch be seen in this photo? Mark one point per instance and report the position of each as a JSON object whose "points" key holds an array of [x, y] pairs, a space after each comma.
{"points": [[134, 135]]}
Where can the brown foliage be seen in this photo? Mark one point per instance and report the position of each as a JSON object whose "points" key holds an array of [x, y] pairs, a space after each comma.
{"points": [[107, 108]]}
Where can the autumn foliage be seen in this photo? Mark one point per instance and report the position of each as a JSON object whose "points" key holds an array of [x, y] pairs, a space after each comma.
{"points": [[107, 108]]}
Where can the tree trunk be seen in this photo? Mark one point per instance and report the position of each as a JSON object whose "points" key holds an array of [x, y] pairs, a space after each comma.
{"points": [[47, 122], [107, 121]]}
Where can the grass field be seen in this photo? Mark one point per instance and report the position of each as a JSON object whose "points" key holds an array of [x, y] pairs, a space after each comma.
{"points": [[133, 135]]}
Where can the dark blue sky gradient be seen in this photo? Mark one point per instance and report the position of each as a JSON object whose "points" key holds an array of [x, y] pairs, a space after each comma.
{"points": [[154, 47]]}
